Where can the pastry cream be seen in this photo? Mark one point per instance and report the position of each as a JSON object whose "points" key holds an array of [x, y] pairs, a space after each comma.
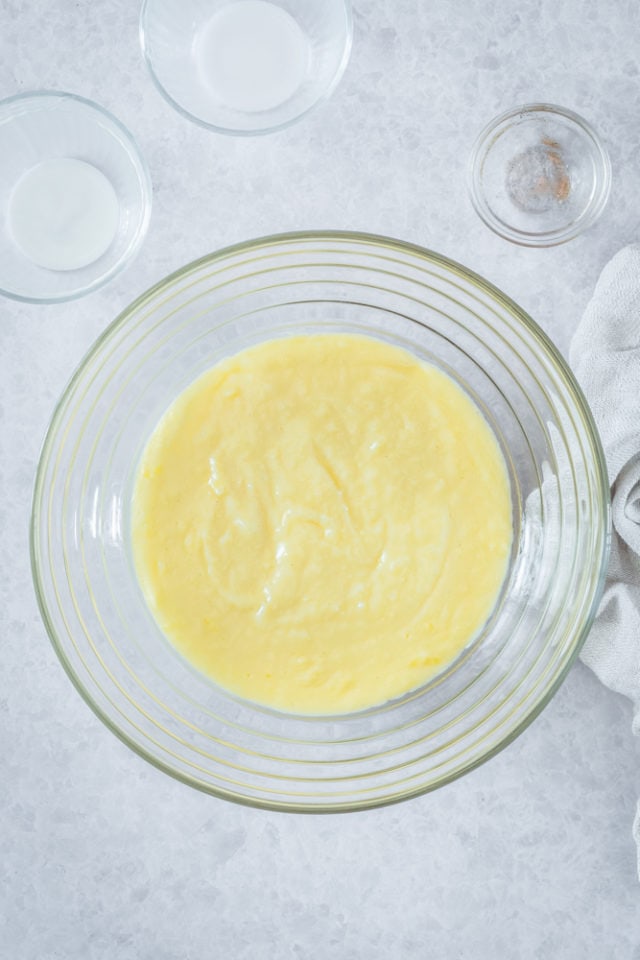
{"points": [[321, 523]]}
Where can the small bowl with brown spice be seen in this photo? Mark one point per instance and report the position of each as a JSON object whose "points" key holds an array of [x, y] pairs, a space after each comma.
{"points": [[539, 175]]}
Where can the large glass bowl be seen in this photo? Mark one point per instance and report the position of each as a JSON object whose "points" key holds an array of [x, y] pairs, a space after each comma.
{"points": [[302, 283]]}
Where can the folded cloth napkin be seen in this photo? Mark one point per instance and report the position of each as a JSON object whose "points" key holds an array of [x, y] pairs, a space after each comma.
{"points": [[605, 356]]}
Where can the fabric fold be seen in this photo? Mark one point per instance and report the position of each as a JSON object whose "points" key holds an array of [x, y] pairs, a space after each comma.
{"points": [[605, 357]]}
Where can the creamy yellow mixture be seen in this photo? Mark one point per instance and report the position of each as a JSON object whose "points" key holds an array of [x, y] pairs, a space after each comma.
{"points": [[321, 523]]}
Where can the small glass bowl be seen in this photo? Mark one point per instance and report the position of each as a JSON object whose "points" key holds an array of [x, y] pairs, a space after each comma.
{"points": [[539, 175], [40, 126], [189, 71]]}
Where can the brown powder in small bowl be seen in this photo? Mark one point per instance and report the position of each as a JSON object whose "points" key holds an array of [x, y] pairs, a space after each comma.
{"points": [[538, 179]]}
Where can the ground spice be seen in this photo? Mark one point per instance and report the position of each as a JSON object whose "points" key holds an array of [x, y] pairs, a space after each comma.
{"points": [[537, 178]]}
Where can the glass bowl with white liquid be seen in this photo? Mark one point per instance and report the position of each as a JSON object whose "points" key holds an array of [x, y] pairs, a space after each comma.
{"points": [[95, 611], [75, 197], [246, 66]]}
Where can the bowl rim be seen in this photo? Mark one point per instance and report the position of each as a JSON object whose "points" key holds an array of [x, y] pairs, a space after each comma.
{"points": [[235, 131], [145, 192], [398, 246], [548, 238]]}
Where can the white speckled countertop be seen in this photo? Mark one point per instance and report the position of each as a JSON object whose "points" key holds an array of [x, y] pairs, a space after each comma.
{"points": [[101, 856]]}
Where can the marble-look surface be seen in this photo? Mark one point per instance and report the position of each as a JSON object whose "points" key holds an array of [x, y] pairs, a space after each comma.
{"points": [[103, 857]]}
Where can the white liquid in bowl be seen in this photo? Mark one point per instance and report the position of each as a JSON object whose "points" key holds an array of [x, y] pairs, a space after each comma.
{"points": [[63, 214], [252, 55]]}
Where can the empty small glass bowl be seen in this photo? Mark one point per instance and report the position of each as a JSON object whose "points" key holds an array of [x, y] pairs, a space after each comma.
{"points": [[37, 132], [539, 175], [245, 66]]}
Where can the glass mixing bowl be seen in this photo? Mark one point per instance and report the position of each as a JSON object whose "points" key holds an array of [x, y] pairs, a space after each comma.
{"points": [[92, 604]]}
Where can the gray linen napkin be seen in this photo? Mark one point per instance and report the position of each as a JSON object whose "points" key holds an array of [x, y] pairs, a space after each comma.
{"points": [[605, 357]]}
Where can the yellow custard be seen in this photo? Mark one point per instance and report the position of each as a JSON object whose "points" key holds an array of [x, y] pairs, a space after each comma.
{"points": [[321, 523]]}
